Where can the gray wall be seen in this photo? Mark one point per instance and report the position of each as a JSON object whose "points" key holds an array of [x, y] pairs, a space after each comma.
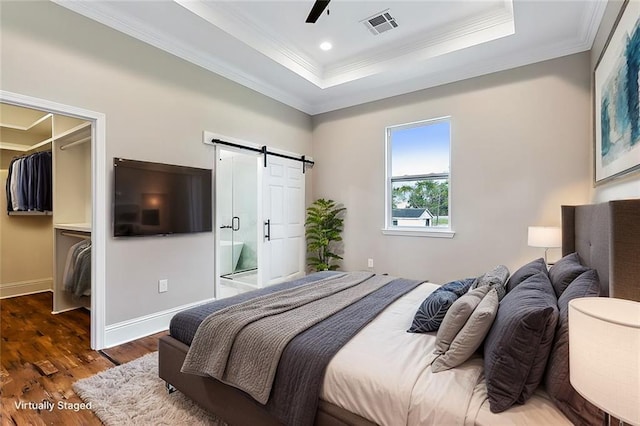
{"points": [[156, 108], [519, 151], [628, 186]]}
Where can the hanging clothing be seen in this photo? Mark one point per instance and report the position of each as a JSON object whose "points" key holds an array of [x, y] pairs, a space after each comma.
{"points": [[77, 270], [29, 183], [15, 172]]}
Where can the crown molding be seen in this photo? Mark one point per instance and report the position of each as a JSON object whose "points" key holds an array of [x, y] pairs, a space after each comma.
{"points": [[442, 77], [591, 21], [249, 31], [455, 36], [97, 11]]}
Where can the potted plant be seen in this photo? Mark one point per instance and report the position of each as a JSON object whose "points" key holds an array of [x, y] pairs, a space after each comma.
{"points": [[324, 226]]}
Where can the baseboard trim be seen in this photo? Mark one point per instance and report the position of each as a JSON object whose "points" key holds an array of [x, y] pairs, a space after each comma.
{"points": [[24, 288], [136, 328]]}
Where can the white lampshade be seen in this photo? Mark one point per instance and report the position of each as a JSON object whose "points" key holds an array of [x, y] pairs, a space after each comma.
{"points": [[545, 236], [604, 354]]}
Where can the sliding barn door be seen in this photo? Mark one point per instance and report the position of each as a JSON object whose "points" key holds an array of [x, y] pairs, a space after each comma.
{"points": [[284, 214]]}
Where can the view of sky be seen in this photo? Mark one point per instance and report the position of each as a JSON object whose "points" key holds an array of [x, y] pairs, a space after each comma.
{"points": [[420, 150]]}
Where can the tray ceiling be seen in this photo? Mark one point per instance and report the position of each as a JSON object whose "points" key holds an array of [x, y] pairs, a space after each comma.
{"points": [[267, 46]]}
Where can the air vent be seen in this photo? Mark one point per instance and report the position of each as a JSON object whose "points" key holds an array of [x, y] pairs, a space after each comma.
{"points": [[380, 22]]}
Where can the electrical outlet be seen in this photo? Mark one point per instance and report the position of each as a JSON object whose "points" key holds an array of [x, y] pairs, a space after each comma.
{"points": [[370, 263], [163, 285]]}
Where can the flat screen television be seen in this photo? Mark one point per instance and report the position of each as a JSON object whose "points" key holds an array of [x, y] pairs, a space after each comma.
{"points": [[160, 199]]}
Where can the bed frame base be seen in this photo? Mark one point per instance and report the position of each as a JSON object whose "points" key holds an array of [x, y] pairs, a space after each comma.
{"points": [[228, 403]]}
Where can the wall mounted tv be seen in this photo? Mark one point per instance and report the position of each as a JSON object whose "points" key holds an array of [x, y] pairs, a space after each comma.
{"points": [[160, 199]]}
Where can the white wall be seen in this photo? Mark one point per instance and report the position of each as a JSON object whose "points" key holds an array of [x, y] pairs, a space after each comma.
{"points": [[518, 154], [627, 186], [156, 108]]}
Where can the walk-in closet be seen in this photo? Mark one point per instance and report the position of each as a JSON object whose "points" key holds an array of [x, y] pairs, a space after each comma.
{"points": [[45, 237]]}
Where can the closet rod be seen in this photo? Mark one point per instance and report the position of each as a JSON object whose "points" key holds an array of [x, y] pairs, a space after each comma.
{"points": [[76, 235], [78, 142], [265, 152]]}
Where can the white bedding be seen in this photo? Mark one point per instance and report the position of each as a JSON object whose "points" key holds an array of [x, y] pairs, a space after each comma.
{"points": [[382, 375]]}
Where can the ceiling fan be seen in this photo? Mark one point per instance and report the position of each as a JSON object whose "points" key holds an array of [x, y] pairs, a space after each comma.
{"points": [[318, 7]]}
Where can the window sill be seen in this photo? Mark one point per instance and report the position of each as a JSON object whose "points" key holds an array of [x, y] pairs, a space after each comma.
{"points": [[417, 232]]}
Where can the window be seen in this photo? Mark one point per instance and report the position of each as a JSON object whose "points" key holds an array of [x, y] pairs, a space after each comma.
{"points": [[417, 192]]}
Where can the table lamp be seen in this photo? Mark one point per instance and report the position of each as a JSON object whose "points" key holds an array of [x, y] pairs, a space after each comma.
{"points": [[545, 236], [604, 354]]}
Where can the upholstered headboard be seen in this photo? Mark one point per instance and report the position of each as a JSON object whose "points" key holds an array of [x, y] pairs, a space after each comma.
{"points": [[607, 238]]}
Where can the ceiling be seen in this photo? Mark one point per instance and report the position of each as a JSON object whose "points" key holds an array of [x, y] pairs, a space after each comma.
{"points": [[267, 46]]}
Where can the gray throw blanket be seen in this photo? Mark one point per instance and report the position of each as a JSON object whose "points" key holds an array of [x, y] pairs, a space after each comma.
{"points": [[296, 389], [241, 345]]}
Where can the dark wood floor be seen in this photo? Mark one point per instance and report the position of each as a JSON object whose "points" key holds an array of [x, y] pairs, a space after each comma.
{"points": [[42, 355]]}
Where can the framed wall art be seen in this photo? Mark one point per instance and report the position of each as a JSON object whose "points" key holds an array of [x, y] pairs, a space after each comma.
{"points": [[617, 99]]}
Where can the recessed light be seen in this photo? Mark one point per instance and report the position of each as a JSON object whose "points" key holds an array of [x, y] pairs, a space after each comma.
{"points": [[326, 46]]}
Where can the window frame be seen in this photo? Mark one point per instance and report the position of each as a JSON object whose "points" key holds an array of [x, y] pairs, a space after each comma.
{"points": [[418, 231]]}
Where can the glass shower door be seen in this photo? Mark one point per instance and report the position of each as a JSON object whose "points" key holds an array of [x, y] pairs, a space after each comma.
{"points": [[237, 204]]}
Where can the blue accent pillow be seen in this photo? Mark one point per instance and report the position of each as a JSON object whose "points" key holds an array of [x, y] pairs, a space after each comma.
{"points": [[459, 287], [432, 310]]}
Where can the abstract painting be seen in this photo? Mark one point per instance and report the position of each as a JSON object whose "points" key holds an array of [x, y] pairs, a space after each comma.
{"points": [[617, 99]]}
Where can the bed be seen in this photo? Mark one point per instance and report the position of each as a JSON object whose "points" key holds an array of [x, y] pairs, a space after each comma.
{"points": [[359, 386]]}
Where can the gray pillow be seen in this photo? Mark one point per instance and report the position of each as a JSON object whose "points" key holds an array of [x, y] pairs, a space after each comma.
{"points": [[472, 334], [575, 407], [525, 272], [495, 278], [564, 271], [457, 316], [518, 345]]}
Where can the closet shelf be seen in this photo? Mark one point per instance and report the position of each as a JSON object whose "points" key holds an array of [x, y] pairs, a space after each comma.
{"points": [[29, 213], [23, 148], [80, 227], [80, 132]]}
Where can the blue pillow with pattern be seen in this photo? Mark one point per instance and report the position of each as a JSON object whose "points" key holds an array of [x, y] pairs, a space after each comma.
{"points": [[432, 310], [459, 287]]}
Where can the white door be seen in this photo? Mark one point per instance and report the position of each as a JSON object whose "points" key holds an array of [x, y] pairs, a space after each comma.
{"points": [[284, 246]]}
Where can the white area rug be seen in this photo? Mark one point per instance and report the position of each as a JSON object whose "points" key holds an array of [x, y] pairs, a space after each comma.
{"points": [[133, 394]]}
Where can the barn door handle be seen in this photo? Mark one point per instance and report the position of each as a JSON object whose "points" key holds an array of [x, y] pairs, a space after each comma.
{"points": [[267, 234]]}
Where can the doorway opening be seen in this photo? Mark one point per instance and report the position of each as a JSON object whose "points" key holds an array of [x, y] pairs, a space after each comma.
{"points": [[97, 218]]}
